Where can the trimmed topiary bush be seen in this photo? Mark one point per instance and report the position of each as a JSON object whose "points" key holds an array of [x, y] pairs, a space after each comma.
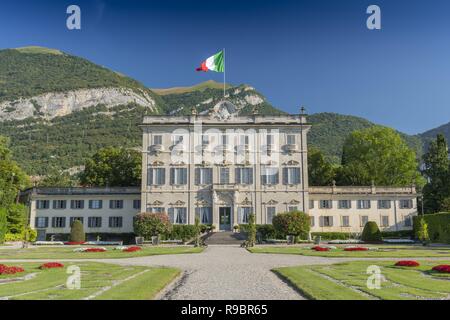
{"points": [[152, 224], [371, 232], [77, 232], [294, 223]]}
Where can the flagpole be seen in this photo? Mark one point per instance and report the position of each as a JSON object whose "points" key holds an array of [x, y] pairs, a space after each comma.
{"points": [[224, 72]]}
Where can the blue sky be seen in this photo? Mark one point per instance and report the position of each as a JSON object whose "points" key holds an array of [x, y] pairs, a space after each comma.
{"points": [[318, 53]]}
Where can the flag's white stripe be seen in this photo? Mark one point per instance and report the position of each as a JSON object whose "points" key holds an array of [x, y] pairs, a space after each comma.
{"points": [[210, 63]]}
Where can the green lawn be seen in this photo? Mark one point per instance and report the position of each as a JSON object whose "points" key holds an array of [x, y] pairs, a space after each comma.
{"points": [[348, 281], [67, 253], [98, 281], [383, 251]]}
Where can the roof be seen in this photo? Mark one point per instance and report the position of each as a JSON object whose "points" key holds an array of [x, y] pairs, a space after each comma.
{"points": [[363, 190], [82, 191]]}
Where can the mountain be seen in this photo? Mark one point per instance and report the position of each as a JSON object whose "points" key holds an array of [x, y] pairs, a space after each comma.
{"points": [[59, 109], [429, 135]]}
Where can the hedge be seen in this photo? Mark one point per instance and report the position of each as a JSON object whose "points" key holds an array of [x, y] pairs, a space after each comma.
{"points": [[183, 232], [332, 235], [267, 231], [397, 234], [438, 226], [3, 227]]}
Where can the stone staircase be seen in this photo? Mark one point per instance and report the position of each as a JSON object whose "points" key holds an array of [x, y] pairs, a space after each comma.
{"points": [[224, 238]]}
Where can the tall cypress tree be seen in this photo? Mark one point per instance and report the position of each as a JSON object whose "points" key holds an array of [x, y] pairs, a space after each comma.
{"points": [[437, 171]]}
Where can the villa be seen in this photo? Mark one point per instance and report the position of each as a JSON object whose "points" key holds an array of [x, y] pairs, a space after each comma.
{"points": [[221, 168]]}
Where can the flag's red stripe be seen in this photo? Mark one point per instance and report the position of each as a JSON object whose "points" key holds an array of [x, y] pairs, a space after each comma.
{"points": [[202, 67]]}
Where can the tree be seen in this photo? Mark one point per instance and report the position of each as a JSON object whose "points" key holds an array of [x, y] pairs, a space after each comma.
{"points": [[295, 223], [378, 155], [321, 172], [437, 171], [77, 232], [152, 224], [113, 167], [371, 232], [16, 218], [2, 224], [251, 230], [57, 178]]}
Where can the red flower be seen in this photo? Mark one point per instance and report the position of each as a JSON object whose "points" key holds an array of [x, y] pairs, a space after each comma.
{"points": [[356, 249], [407, 263], [74, 243], [51, 265], [319, 248], [443, 268], [10, 270], [94, 250], [131, 249]]}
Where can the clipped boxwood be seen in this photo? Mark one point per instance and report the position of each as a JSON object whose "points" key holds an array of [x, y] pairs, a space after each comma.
{"points": [[438, 226], [332, 235], [183, 232], [371, 232], [397, 234], [295, 223], [77, 232], [267, 231], [152, 224]]}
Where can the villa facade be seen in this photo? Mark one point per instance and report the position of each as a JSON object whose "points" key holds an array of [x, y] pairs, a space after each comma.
{"points": [[222, 168]]}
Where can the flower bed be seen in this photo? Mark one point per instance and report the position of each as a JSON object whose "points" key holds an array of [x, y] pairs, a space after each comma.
{"points": [[356, 249], [443, 268], [132, 249], [90, 250], [74, 243], [51, 265], [10, 269], [407, 263], [319, 248]]}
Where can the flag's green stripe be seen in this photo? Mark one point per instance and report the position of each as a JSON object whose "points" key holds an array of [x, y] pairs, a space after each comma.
{"points": [[219, 62]]}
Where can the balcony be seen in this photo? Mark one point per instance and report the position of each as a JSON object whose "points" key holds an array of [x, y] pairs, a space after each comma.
{"points": [[157, 148], [290, 148], [225, 187]]}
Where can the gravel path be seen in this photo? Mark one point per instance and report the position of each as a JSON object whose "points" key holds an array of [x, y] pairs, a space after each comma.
{"points": [[227, 272]]}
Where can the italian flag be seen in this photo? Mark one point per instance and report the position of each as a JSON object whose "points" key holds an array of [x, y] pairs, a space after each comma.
{"points": [[215, 63]]}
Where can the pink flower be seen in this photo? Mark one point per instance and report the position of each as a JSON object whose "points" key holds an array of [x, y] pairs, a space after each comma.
{"points": [[51, 265], [319, 248], [443, 268], [10, 270], [131, 249], [407, 263], [356, 249]]}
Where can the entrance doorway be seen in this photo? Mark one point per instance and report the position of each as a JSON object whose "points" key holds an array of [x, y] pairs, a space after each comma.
{"points": [[225, 219]]}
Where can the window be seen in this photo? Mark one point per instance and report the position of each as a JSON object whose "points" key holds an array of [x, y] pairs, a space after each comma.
{"points": [[311, 204], [244, 175], [244, 140], [269, 175], [41, 222], [205, 139], [292, 208], [177, 215], [224, 175], [204, 214], [244, 214], [325, 204], [137, 204], [363, 204], [156, 176], [59, 222], [72, 219], [271, 212], [95, 222], [326, 221], [116, 204], [155, 209], [312, 220], [406, 204], [364, 220], [42, 204], [270, 140], [291, 175], [224, 139], [344, 204], [157, 140], [59, 204], [76, 204], [290, 139], [384, 204], [178, 176], [115, 222], [95, 204], [408, 222], [345, 221], [203, 176], [385, 221]]}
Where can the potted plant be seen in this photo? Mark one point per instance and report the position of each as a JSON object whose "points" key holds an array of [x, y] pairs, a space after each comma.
{"points": [[212, 227], [236, 228]]}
